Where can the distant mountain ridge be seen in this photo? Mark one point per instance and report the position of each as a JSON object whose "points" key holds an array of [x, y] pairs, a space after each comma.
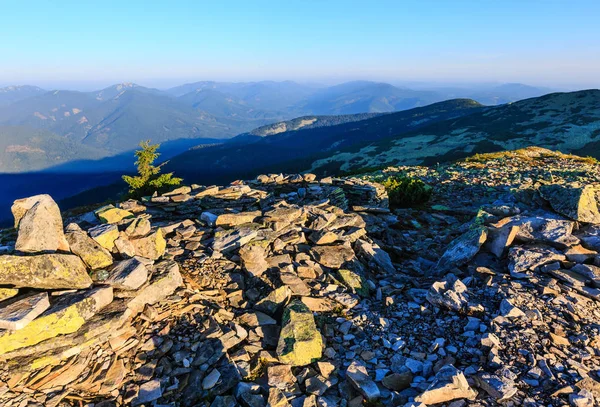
{"points": [[296, 148], [38, 125], [440, 132], [568, 122]]}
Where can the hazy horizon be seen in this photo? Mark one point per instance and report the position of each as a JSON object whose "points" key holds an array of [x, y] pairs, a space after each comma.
{"points": [[90, 46], [165, 84]]}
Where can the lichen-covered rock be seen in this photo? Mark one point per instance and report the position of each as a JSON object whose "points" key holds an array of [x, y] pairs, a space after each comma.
{"points": [[575, 202], [463, 248], [105, 235], [276, 299], [110, 214], [140, 226], [65, 316], [90, 251], [6, 293], [40, 225], [300, 342], [45, 271], [235, 219], [152, 246], [354, 281]]}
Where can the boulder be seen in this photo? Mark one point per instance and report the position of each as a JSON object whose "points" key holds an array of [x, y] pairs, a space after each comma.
{"points": [[449, 384], [128, 274], [19, 313], [165, 280], [573, 201], [124, 246], [449, 293], [281, 217], [39, 224], [235, 219], [254, 259], [110, 214], [65, 316], [359, 378], [300, 343], [152, 246], [375, 256], [275, 301], [46, 271], [90, 251], [228, 240], [463, 248], [333, 256], [105, 235], [354, 281], [528, 258], [140, 226], [500, 388]]}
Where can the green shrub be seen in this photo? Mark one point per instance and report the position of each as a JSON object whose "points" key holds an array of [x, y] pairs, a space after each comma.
{"points": [[149, 178], [405, 192]]}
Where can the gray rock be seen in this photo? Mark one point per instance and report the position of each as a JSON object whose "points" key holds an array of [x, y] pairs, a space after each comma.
{"points": [[358, 377], [128, 274], [575, 202], [46, 271], [375, 256], [149, 392], [228, 240], [449, 384], [39, 224], [500, 388], [333, 256], [528, 258], [463, 248], [18, 313], [90, 251]]}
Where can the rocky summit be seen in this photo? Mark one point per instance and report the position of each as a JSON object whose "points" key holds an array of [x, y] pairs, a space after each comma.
{"points": [[289, 290]]}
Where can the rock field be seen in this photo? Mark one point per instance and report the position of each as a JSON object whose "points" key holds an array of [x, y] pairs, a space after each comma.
{"points": [[292, 291]]}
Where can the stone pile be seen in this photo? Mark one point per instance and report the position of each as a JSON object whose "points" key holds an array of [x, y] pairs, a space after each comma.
{"points": [[299, 292]]}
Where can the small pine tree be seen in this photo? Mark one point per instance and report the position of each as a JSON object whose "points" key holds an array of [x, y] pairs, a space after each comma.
{"points": [[149, 178]]}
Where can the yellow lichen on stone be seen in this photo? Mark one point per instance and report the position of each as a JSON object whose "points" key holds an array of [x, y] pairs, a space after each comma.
{"points": [[113, 215], [6, 293], [300, 343], [63, 318]]}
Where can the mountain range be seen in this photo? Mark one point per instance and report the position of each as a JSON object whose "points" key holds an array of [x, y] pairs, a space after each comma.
{"points": [[440, 132], [44, 129]]}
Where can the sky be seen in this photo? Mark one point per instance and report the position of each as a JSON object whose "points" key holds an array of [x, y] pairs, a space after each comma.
{"points": [[165, 43]]}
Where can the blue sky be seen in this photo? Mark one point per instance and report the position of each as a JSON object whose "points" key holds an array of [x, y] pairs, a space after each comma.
{"points": [[542, 42]]}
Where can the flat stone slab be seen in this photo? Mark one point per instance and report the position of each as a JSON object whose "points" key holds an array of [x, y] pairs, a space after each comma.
{"points": [[46, 271], [164, 282], [65, 316], [19, 313], [300, 342], [128, 274]]}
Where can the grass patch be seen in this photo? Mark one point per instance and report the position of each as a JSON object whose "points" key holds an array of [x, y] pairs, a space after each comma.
{"points": [[406, 192]]}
